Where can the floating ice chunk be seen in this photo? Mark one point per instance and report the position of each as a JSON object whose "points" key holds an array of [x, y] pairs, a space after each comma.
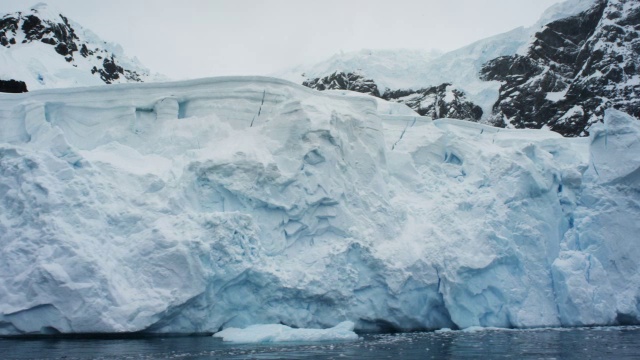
{"points": [[443, 330], [474, 329], [281, 333]]}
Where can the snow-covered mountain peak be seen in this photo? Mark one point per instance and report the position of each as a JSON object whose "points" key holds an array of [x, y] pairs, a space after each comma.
{"points": [[42, 48], [560, 73], [389, 67], [416, 69], [45, 11], [562, 10]]}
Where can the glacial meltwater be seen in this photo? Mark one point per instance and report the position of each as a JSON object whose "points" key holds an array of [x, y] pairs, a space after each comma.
{"points": [[576, 343]]}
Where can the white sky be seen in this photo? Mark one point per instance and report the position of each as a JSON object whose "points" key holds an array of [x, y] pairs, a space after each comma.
{"points": [[198, 38]]}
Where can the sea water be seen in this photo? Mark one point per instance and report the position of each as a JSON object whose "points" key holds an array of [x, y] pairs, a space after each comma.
{"points": [[578, 343]]}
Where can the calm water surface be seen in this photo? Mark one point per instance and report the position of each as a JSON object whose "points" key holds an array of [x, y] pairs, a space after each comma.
{"points": [[587, 343]]}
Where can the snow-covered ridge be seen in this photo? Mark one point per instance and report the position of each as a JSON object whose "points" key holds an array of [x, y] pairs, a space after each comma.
{"points": [[389, 68], [228, 202]]}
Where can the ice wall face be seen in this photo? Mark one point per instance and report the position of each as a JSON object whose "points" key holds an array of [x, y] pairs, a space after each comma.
{"points": [[597, 262], [187, 207]]}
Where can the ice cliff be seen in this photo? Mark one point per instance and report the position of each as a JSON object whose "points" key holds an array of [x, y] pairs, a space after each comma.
{"points": [[227, 202]]}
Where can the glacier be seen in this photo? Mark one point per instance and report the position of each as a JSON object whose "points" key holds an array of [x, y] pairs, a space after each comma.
{"points": [[202, 205]]}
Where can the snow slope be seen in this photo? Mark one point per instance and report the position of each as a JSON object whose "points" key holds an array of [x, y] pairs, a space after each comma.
{"points": [[388, 68], [228, 202]]}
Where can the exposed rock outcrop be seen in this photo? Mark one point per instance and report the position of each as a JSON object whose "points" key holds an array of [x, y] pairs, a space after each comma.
{"points": [[575, 68], [442, 101]]}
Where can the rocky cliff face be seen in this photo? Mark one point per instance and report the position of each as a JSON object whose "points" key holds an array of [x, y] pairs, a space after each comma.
{"points": [[574, 69], [442, 101], [43, 48], [344, 81], [13, 86]]}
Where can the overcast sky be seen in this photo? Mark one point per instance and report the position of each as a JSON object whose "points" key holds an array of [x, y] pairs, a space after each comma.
{"points": [[198, 38]]}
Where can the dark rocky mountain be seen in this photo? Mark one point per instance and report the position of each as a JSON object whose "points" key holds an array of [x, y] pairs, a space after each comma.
{"points": [[344, 81], [435, 101], [13, 86], [85, 56], [59, 34], [574, 69]]}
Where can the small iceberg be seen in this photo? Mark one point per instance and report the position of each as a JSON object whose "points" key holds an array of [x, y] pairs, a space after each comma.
{"points": [[272, 333]]}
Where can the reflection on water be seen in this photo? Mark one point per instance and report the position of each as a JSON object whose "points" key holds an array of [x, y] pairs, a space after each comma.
{"points": [[615, 342]]}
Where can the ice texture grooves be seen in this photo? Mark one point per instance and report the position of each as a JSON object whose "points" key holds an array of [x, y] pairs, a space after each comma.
{"points": [[227, 202]]}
